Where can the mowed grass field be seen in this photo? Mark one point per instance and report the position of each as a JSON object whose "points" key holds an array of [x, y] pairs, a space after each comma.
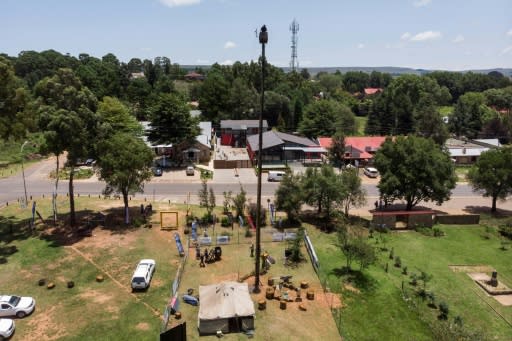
{"points": [[373, 303]]}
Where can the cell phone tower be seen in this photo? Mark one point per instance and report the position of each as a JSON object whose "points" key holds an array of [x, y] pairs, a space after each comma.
{"points": [[294, 28]]}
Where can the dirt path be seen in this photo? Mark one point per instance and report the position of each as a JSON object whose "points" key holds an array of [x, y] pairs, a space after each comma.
{"points": [[120, 285]]}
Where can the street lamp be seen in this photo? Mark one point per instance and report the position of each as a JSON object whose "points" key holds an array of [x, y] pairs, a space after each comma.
{"points": [[23, 171], [263, 37]]}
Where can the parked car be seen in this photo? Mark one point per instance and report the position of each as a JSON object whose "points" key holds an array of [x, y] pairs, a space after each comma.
{"points": [[143, 274], [371, 172], [275, 176], [6, 328], [90, 162], [190, 170], [16, 306], [157, 171]]}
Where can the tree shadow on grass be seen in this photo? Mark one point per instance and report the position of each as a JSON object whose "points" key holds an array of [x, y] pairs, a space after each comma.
{"points": [[11, 229], [356, 278], [112, 219]]}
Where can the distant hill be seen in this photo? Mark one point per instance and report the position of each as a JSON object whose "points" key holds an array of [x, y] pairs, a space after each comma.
{"points": [[393, 70], [396, 71]]}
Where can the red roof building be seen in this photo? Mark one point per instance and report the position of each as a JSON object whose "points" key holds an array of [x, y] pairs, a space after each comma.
{"points": [[357, 147], [372, 91], [194, 76]]}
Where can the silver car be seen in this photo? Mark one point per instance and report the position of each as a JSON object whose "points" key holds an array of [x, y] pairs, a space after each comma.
{"points": [[16, 306]]}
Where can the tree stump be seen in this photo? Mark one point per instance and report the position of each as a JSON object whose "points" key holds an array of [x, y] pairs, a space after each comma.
{"points": [[70, 284], [50, 285], [310, 295], [270, 281], [304, 285], [41, 282], [177, 315], [99, 278], [262, 304], [282, 305], [302, 307], [269, 293]]}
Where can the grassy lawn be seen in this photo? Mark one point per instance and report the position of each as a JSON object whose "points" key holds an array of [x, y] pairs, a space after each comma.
{"points": [[361, 124], [377, 294], [90, 310], [461, 172], [366, 305], [109, 310], [446, 110]]}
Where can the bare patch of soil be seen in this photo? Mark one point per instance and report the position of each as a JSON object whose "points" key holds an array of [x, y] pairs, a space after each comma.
{"points": [[96, 296], [142, 326], [351, 288], [471, 268], [44, 327]]}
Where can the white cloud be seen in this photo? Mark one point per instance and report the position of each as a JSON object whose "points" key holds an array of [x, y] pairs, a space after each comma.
{"points": [[506, 50], [201, 61], [176, 3], [229, 45], [509, 33], [360, 46], [458, 39], [227, 62], [427, 35], [405, 36], [421, 3]]}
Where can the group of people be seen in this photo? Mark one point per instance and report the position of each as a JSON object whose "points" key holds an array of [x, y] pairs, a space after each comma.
{"points": [[208, 256]]}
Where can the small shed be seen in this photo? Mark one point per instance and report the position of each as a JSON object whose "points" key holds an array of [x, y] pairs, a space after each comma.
{"points": [[225, 307], [403, 219]]}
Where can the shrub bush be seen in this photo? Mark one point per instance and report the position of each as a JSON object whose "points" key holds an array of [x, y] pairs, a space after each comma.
{"points": [[404, 270], [444, 310], [414, 279], [398, 262], [224, 222]]}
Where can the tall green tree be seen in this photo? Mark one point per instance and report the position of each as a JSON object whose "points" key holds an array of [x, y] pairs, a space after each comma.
{"points": [[124, 164], [321, 189], [353, 193], [467, 116], [63, 98], [414, 169], [289, 197], [15, 118], [171, 121], [492, 174], [242, 99], [115, 117], [214, 96], [336, 152], [326, 117], [428, 121]]}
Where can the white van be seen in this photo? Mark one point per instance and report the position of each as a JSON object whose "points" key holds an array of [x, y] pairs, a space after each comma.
{"points": [[371, 172], [275, 176], [143, 273]]}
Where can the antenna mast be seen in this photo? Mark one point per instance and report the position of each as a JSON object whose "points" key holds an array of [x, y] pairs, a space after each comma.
{"points": [[294, 28]]}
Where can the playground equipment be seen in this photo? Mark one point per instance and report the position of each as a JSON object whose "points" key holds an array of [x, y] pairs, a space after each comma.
{"points": [[174, 222]]}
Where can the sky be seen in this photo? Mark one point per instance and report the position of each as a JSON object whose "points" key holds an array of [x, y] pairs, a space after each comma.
{"points": [[428, 34]]}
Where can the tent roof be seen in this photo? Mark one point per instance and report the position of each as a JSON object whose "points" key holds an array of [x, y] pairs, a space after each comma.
{"points": [[224, 300]]}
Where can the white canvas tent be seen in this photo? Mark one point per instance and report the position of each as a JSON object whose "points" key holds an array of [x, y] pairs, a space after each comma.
{"points": [[226, 306]]}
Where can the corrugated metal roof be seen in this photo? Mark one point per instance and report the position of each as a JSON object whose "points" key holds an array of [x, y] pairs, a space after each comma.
{"points": [[270, 139], [238, 124], [295, 139]]}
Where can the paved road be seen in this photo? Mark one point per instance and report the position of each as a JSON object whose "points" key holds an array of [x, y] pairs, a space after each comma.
{"points": [[175, 186]]}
